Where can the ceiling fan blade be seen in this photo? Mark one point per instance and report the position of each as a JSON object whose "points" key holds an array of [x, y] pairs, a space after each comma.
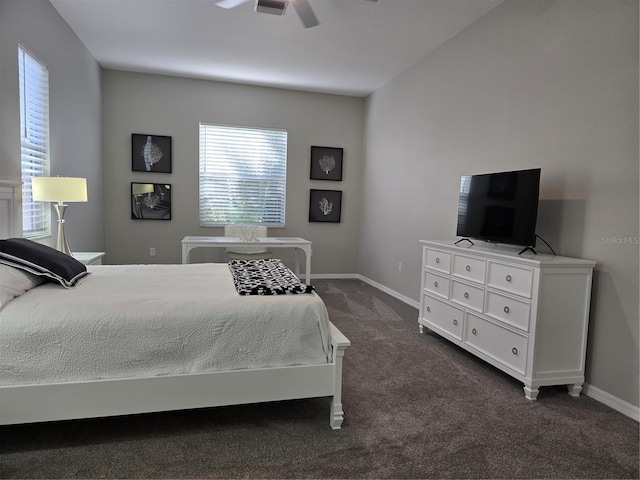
{"points": [[304, 11], [230, 3]]}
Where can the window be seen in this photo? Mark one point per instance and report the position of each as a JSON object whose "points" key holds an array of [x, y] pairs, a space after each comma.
{"points": [[243, 173], [34, 145]]}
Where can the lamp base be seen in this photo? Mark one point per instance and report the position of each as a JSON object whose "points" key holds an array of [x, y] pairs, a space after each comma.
{"points": [[61, 243]]}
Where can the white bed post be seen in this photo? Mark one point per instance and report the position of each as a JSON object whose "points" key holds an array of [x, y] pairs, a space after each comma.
{"points": [[10, 195], [339, 343]]}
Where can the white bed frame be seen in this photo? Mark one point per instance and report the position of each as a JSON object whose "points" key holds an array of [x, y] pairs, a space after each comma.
{"points": [[103, 398]]}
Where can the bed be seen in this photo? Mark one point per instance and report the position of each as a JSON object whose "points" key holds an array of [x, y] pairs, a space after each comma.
{"points": [[128, 339]]}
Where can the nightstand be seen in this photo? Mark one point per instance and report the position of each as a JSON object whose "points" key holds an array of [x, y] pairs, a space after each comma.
{"points": [[89, 258]]}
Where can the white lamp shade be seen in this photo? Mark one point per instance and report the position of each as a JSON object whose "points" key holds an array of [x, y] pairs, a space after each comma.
{"points": [[59, 189]]}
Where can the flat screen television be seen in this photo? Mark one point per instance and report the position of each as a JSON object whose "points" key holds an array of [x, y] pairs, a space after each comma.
{"points": [[500, 207]]}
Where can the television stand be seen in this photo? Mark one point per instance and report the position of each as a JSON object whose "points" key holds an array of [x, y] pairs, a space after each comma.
{"points": [[525, 315], [527, 248]]}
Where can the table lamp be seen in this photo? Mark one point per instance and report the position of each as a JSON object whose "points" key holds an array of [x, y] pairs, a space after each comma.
{"points": [[59, 189]]}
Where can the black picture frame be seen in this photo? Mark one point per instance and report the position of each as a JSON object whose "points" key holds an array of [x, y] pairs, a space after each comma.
{"points": [[325, 205], [326, 163], [150, 201], [150, 153]]}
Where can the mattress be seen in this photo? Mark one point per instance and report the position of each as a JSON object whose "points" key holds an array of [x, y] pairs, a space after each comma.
{"points": [[132, 321]]}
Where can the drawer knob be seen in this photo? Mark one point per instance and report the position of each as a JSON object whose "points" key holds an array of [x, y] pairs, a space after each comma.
{"points": [[508, 278], [474, 331], [506, 309], [466, 294], [468, 268], [514, 350], [428, 309], [437, 259], [455, 322], [435, 284]]}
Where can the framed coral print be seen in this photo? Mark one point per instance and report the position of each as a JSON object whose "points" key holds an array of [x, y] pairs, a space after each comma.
{"points": [[150, 153], [150, 201], [326, 163], [325, 205]]}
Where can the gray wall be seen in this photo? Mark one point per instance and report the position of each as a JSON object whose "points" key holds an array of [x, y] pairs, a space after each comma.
{"points": [[551, 84], [75, 110], [172, 106]]}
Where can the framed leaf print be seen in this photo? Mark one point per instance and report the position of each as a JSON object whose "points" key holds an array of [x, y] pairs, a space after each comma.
{"points": [[326, 163], [325, 205], [150, 153]]}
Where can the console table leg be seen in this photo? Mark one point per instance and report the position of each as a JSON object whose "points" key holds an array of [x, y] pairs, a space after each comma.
{"points": [[307, 269], [297, 260]]}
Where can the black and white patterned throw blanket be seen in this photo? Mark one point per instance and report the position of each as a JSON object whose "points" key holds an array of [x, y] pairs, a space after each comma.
{"points": [[265, 277]]}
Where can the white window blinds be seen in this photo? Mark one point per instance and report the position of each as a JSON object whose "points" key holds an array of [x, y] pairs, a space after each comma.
{"points": [[243, 173], [34, 133]]}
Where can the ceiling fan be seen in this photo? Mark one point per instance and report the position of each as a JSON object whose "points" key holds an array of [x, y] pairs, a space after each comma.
{"points": [[278, 7]]}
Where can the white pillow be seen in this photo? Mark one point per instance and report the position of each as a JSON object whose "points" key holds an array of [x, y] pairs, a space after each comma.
{"points": [[14, 282]]}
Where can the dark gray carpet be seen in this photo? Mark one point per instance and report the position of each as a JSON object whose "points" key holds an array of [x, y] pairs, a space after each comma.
{"points": [[416, 407]]}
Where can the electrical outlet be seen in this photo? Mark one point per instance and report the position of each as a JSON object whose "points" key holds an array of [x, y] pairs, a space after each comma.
{"points": [[399, 266], [152, 252]]}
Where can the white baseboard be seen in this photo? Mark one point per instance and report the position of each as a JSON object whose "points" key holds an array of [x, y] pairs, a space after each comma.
{"points": [[609, 400], [393, 293], [379, 286], [601, 396], [335, 276]]}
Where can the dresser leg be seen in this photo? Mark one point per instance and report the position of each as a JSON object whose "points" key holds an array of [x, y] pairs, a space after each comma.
{"points": [[574, 389], [423, 329], [531, 393]]}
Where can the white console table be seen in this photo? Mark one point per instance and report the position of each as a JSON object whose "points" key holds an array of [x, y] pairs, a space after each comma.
{"points": [[189, 243], [524, 314]]}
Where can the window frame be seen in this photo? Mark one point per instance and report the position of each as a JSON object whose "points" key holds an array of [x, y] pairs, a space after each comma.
{"points": [[242, 175], [33, 77]]}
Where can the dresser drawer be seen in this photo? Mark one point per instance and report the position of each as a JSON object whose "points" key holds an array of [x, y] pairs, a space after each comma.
{"points": [[469, 268], [518, 280], [467, 295], [437, 284], [438, 260], [501, 344], [443, 315], [509, 310]]}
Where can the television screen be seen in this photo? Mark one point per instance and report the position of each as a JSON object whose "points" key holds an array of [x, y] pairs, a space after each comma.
{"points": [[500, 207]]}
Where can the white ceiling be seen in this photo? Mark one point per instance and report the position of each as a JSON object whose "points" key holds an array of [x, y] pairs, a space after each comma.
{"points": [[358, 46]]}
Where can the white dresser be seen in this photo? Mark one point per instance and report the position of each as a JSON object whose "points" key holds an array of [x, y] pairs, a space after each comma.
{"points": [[524, 314]]}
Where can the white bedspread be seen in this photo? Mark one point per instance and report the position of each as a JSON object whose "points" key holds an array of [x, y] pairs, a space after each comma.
{"points": [[146, 320]]}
